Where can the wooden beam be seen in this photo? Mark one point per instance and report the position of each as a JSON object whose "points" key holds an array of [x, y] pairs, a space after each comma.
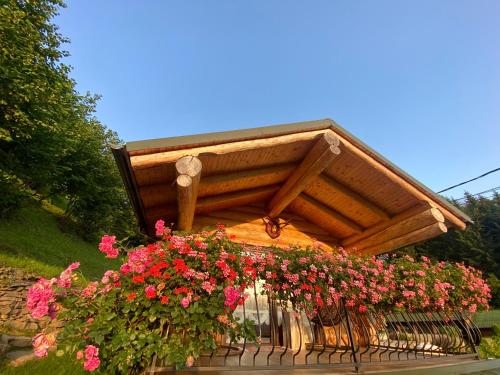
{"points": [[238, 198], [398, 180], [411, 224], [319, 157], [421, 207], [150, 160], [325, 185], [229, 182], [324, 217], [217, 202], [162, 194], [188, 170], [419, 235]]}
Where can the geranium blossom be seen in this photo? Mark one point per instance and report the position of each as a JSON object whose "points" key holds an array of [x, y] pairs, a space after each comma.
{"points": [[106, 246], [42, 343]]}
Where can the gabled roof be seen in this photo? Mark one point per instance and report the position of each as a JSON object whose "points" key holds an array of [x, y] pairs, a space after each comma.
{"points": [[315, 170]]}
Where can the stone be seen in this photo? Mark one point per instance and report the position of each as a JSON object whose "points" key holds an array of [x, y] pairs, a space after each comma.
{"points": [[3, 348], [21, 342], [19, 357]]}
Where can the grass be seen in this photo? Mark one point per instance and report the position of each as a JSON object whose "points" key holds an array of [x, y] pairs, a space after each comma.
{"points": [[32, 240], [51, 365]]}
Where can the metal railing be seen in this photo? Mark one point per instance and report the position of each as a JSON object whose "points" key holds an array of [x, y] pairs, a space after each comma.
{"points": [[339, 337]]}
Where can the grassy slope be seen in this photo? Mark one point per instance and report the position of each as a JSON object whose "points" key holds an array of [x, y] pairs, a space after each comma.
{"points": [[32, 240]]}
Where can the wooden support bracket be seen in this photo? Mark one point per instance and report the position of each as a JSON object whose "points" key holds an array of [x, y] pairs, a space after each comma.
{"points": [[319, 157]]}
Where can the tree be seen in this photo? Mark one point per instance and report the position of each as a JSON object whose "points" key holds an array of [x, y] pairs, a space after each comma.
{"points": [[478, 245], [51, 144]]}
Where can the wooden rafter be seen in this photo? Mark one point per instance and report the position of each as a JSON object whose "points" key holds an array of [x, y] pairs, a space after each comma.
{"points": [[319, 157], [421, 207], [411, 224], [419, 235]]}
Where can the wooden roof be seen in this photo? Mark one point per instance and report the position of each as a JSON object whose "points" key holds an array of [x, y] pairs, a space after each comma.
{"points": [[328, 185]]}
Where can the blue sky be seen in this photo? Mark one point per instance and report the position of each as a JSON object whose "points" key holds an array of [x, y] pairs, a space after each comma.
{"points": [[419, 81]]}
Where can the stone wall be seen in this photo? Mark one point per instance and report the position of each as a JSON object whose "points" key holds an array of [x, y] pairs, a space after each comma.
{"points": [[14, 316]]}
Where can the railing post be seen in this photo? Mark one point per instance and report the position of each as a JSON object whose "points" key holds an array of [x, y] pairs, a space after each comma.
{"points": [[351, 337]]}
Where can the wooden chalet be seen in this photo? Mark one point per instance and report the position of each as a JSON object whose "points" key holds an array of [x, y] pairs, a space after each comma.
{"points": [[296, 184]]}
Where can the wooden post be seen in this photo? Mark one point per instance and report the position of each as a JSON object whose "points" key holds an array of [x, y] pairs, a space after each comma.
{"points": [[319, 157], [188, 170]]}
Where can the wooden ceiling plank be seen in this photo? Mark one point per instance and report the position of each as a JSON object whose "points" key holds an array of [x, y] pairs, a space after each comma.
{"points": [[379, 167], [188, 170], [414, 237], [411, 224], [324, 217], [319, 157], [344, 200]]}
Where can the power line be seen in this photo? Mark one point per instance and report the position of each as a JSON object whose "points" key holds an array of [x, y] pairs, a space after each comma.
{"points": [[473, 179], [481, 193]]}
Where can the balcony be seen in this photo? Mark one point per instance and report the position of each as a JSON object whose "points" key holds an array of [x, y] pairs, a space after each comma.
{"points": [[339, 338]]}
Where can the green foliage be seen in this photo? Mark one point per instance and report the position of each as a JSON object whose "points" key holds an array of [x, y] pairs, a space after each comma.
{"points": [[490, 347], [50, 142], [478, 245], [31, 240]]}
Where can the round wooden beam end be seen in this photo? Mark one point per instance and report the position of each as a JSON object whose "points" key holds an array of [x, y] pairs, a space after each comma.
{"points": [[188, 165], [184, 180]]}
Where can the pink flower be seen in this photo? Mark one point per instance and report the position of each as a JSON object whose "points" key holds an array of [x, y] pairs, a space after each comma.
{"points": [[106, 246], [108, 275], [150, 292], [90, 290], [91, 364], [232, 295], [186, 301], [79, 354], [41, 344], [160, 228], [40, 298], [208, 287], [91, 351]]}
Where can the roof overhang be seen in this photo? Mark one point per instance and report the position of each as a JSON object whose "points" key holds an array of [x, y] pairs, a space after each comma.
{"points": [[315, 170]]}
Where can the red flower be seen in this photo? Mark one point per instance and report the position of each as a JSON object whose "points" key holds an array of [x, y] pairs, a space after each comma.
{"points": [[167, 276], [181, 290], [164, 300], [150, 292], [180, 266], [131, 296], [138, 279]]}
